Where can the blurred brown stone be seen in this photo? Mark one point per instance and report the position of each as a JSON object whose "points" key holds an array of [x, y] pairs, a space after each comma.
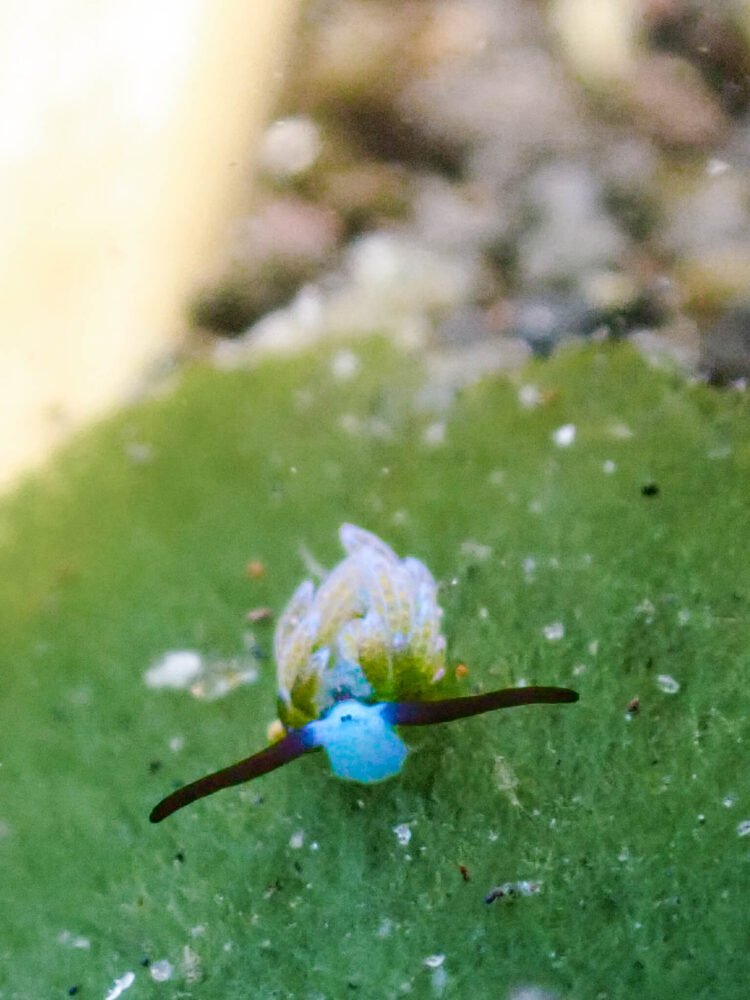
{"points": [[670, 102]]}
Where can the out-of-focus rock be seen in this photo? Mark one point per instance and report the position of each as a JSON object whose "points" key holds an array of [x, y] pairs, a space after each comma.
{"points": [[725, 354], [388, 284], [711, 37], [706, 212], [289, 147], [355, 49], [707, 221], [287, 229], [573, 233], [457, 216], [368, 193], [272, 252], [508, 110], [670, 102], [530, 172], [677, 346]]}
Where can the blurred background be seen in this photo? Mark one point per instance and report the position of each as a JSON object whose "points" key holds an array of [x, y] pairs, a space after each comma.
{"points": [[484, 178]]}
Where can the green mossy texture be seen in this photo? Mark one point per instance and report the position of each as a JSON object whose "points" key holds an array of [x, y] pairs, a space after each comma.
{"points": [[631, 827]]}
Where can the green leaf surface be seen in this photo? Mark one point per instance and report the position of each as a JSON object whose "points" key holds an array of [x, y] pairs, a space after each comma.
{"points": [[136, 542]]}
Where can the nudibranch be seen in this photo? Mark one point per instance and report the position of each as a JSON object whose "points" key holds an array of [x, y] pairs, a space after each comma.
{"points": [[355, 659]]}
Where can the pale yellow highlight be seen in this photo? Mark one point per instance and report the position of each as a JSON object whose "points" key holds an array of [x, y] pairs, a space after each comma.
{"points": [[126, 132], [598, 37]]}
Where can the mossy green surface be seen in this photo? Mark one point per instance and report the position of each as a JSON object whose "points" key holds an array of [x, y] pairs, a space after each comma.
{"points": [[631, 827]]}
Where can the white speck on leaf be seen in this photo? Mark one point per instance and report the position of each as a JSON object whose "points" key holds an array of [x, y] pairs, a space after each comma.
{"points": [[564, 436], [532, 993], [219, 677], [191, 965], [620, 432], [403, 833], [434, 435], [297, 840], [647, 609], [476, 550], [350, 424], [609, 466], [554, 632], [743, 828], [439, 980], [74, 940], [344, 365], [161, 971], [176, 669], [728, 801], [138, 452], [511, 890], [120, 985], [433, 961], [529, 396], [667, 684], [506, 780]]}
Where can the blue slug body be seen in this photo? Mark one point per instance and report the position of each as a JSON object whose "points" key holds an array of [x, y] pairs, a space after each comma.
{"points": [[360, 744]]}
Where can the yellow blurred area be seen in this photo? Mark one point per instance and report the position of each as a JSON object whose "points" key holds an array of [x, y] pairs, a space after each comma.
{"points": [[127, 130]]}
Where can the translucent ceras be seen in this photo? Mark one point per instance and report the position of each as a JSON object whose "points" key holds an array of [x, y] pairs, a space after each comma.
{"points": [[356, 658]]}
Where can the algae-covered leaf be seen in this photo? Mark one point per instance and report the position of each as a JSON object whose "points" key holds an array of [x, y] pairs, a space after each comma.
{"points": [[628, 820]]}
